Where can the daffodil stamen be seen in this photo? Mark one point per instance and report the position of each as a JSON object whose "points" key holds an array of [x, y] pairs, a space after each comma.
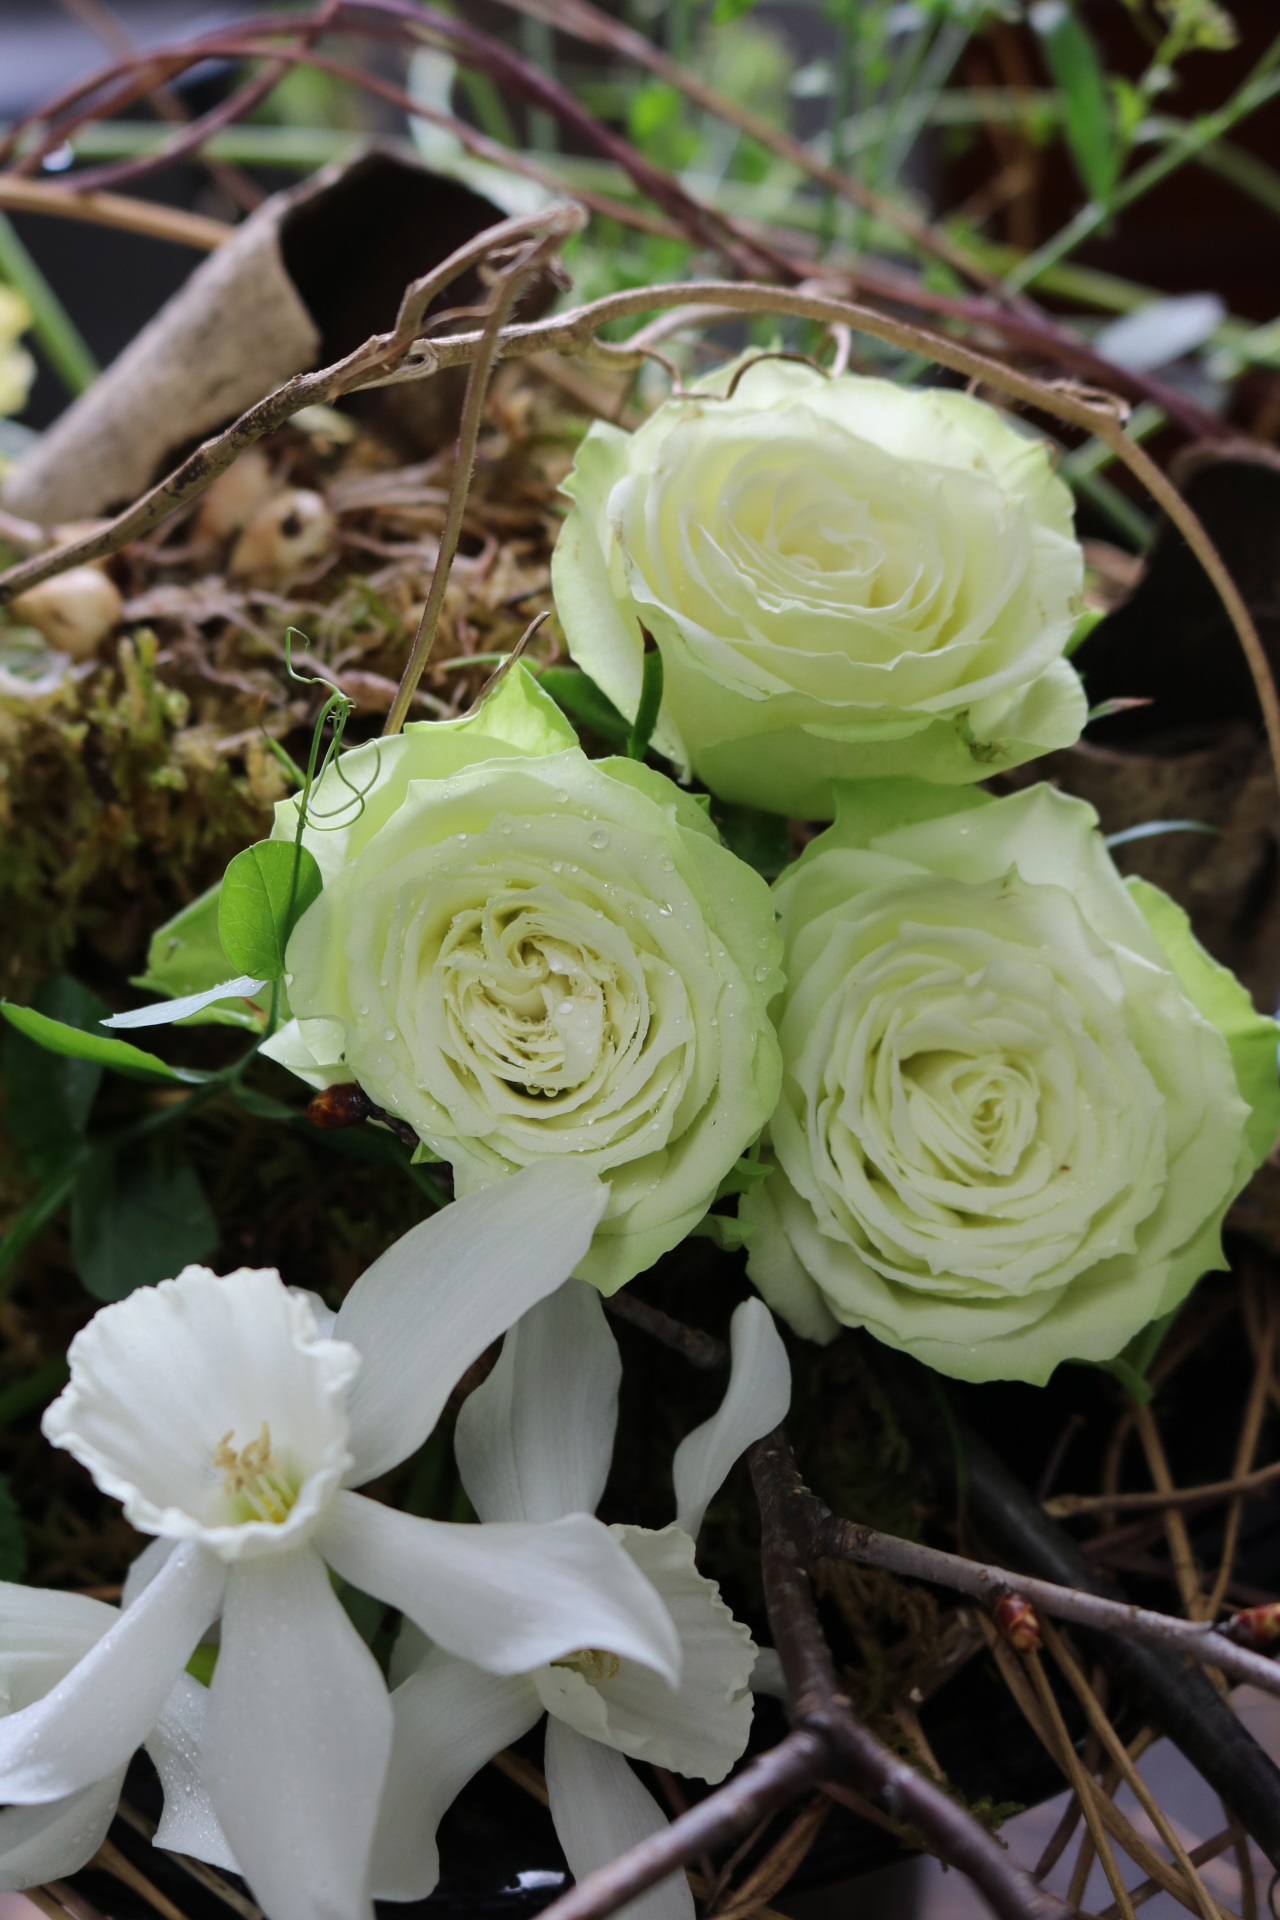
{"points": [[593, 1663], [255, 1477]]}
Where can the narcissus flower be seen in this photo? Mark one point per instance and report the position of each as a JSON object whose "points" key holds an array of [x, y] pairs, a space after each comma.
{"points": [[845, 578], [1018, 1097], [533, 1443], [232, 1425]]}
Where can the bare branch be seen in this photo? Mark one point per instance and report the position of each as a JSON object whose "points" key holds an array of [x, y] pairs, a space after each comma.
{"points": [[830, 1538]]}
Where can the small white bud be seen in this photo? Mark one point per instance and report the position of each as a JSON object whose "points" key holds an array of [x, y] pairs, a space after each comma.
{"points": [[235, 496], [293, 529], [74, 611]]}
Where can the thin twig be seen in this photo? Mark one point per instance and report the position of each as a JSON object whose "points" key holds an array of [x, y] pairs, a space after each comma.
{"points": [[1086, 1789], [207, 1876], [1175, 1527], [512, 284], [1199, 1857], [1246, 1447], [1067, 1506], [114, 210], [1115, 1746], [112, 1861]]}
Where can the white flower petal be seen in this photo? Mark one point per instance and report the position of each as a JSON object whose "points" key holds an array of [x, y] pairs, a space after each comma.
{"points": [[144, 1569], [162, 1379], [699, 1728], [757, 1401], [509, 1596], [600, 1811], [42, 1635], [49, 1842], [450, 1719], [535, 1440], [446, 1290], [89, 1724], [188, 1823], [298, 1733]]}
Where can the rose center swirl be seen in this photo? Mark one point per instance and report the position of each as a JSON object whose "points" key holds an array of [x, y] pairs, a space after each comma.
{"points": [[541, 1010]]}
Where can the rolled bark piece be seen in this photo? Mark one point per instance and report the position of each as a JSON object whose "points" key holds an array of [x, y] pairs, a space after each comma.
{"points": [[309, 275], [235, 330]]}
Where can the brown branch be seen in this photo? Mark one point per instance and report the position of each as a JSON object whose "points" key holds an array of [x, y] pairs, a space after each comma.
{"points": [[698, 1348], [767, 1783], [834, 1539], [820, 1707]]}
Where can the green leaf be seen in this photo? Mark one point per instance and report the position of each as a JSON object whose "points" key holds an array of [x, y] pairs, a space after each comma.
{"points": [[55, 1036], [47, 1102], [39, 1211], [742, 1176], [261, 903], [763, 840], [647, 710], [725, 12], [13, 1546], [137, 1217], [578, 695], [185, 956], [1072, 60], [261, 1105]]}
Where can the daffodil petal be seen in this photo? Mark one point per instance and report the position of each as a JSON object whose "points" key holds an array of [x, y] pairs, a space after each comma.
{"points": [[87, 1726], [757, 1401], [188, 1823], [297, 1738], [600, 1811], [509, 1596], [698, 1728], [446, 1290], [49, 1842], [450, 1718], [535, 1440]]}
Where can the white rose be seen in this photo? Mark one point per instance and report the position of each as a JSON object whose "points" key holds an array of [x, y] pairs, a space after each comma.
{"points": [[846, 579], [1018, 1097], [525, 953]]}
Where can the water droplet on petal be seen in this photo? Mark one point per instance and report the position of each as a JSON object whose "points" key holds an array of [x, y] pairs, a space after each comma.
{"points": [[762, 973], [599, 839]]}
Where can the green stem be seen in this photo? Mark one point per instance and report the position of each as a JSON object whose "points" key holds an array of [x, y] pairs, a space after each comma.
{"points": [[537, 44], [1262, 85], [51, 325], [840, 101]]}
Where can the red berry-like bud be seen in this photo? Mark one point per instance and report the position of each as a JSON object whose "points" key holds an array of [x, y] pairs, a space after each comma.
{"points": [[1255, 1627], [1016, 1620], [336, 1107]]}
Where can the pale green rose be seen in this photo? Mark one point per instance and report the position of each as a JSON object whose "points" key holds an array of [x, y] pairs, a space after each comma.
{"points": [[846, 579], [1018, 1097], [525, 953]]}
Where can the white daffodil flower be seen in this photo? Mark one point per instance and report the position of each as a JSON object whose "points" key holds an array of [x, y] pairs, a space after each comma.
{"points": [[43, 1634], [232, 1425], [533, 1443]]}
